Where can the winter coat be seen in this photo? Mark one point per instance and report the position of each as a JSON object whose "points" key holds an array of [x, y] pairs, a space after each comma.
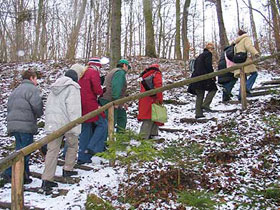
{"points": [[244, 44], [90, 90], [225, 78], [24, 107], [203, 65], [145, 104], [116, 85], [63, 105]]}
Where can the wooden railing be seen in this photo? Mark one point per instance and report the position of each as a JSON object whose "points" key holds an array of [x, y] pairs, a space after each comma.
{"points": [[16, 159]]}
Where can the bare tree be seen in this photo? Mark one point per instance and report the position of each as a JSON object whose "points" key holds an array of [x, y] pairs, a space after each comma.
{"points": [[150, 49], [253, 25], [275, 19], [160, 29], [38, 27], [115, 32], [178, 53], [238, 15], [186, 44], [222, 31], [73, 38]]}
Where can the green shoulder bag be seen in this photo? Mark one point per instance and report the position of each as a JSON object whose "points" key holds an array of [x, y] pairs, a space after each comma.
{"points": [[159, 113]]}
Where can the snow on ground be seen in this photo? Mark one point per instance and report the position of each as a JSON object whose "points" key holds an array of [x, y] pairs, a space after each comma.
{"points": [[109, 178]]}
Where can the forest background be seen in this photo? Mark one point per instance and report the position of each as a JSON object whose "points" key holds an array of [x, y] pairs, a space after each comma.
{"points": [[172, 29]]}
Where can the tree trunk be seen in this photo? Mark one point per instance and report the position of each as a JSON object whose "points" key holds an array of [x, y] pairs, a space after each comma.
{"points": [[186, 44], [107, 53], [3, 48], [253, 25], [160, 35], [131, 19], [178, 53], [275, 19], [19, 10], [278, 5], [269, 32], [150, 49], [73, 38], [115, 33], [203, 24], [38, 26], [88, 43], [238, 15], [222, 30], [44, 38]]}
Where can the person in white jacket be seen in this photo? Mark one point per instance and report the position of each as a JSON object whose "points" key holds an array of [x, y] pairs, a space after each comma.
{"points": [[63, 106]]}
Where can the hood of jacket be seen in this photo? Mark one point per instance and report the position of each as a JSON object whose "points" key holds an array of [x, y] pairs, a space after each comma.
{"points": [[238, 39], [61, 83]]}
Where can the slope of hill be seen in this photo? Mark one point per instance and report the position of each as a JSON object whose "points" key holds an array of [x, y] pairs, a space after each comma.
{"points": [[228, 160]]}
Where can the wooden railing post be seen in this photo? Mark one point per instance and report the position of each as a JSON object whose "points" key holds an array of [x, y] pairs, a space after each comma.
{"points": [[17, 185], [243, 88], [111, 128]]}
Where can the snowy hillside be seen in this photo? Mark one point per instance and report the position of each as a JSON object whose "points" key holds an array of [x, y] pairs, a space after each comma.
{"points": [[232, 158]]}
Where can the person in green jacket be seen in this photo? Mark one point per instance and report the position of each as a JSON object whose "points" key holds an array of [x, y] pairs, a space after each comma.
{"points": [[115, 84]]}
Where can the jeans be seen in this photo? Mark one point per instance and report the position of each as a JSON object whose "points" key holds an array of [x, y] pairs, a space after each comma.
{"points": [[249, 83], [251, 80], [228, 88], [22, 140], [92, 139]]}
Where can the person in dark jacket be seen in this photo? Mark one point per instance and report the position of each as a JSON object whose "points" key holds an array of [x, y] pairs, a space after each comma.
{"points": [[203, 65], [226, 80], [24, 107]]}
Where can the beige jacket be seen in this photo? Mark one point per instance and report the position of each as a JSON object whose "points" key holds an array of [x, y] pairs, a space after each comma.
{"points": [[243, 43]]}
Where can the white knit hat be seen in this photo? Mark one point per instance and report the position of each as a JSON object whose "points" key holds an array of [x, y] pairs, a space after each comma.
{"points": [[80, 69]]}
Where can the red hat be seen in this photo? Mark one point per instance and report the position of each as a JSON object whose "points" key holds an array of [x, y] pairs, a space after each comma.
{"points": [[155, 65], [94, 61]]}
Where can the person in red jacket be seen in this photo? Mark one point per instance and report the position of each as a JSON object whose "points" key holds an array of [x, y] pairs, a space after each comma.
{"points": [[95, 130], [152, 78]]}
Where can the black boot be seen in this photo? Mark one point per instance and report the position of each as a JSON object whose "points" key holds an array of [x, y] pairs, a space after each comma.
{"points": [[27, 180], [69, 173], [48, 185], [226, 97]]}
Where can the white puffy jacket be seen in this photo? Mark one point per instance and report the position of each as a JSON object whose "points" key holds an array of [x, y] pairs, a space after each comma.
{"points": [[63, 105]]}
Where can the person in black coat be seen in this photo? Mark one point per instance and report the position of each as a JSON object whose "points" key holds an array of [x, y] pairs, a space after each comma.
{"points": [[226, 80], [203, 65]]}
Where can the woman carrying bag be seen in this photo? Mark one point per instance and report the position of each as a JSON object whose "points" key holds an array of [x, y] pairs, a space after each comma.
{"points": [[151, 78]]}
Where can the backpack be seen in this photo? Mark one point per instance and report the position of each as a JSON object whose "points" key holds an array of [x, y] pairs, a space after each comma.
{"points": [[240, 57], [229, 51], [192, 64], [148, 82]]}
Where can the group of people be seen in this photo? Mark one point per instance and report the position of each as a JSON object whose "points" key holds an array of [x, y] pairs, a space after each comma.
{"points": [[203, 65], [79, 91], [75, 94]]}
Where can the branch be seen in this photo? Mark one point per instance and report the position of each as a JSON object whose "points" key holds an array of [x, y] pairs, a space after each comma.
{"points": [[259, 13]]}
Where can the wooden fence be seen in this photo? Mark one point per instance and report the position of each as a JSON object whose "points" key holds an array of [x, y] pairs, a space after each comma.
{"points": [[16, 159]]}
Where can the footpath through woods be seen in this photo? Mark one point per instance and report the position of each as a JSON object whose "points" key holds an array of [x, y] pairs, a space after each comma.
{"points": [[232, 143]]}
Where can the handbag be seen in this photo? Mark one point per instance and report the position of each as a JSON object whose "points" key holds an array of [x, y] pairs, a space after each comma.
{"points": [[159, 113], [240, 57]]}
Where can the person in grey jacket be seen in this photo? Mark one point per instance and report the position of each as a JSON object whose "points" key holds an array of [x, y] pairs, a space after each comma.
{"points": [[24, 107], [63, 106]]}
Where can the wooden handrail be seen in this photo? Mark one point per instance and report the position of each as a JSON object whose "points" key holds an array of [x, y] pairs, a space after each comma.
{"points": [[15, 156]]}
